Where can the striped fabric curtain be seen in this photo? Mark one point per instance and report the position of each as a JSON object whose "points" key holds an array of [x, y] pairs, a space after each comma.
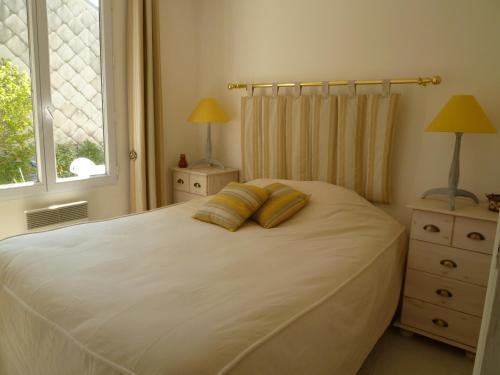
{"points": [[344, 140], [148, 170]]}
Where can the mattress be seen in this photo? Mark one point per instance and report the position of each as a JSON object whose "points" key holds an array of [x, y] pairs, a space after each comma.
{"points": [[162, 293]]}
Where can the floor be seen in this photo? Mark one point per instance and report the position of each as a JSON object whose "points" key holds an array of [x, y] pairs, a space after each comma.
{"points": [[398, 355]]}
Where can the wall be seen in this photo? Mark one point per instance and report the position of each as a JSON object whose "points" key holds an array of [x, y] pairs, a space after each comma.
{"points": [[180, 61], [292, 40], [107, 201]]}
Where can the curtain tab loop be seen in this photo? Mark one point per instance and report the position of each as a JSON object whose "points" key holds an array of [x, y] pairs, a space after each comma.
{"points": [[298, 89], [275, 89], [386, 88], [326, 88], [250, 90], [351, 86]]}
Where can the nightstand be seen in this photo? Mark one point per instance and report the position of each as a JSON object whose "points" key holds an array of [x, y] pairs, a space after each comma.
{"points": [[191, 183], [447, 271]]}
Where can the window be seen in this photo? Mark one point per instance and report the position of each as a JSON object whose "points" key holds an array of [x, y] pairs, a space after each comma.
{"points": [[55, 125]]}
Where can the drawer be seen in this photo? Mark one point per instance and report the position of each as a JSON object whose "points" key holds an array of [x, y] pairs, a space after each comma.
{"points": [[445, 292], [476, 235], [181, 181], [450, 262], [432, 227], [198, 184], [440, 321]]}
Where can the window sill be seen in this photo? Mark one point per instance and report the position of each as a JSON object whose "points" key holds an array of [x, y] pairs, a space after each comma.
{"points": [[32, 189]]}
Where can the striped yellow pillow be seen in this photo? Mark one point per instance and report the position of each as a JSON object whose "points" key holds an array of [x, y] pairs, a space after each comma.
{"points": [[283, 203], [232, 205]]}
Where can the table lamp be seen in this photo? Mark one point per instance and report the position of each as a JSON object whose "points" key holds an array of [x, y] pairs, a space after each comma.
{"points": [[207, 112], [462, 114]]}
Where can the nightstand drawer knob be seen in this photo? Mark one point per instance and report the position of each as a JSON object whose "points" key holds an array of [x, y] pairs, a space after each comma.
{"points": [[197, 185], [476, 236], [431, 228], [444, 293], [440, 323], [180, 181], [448, 263]]}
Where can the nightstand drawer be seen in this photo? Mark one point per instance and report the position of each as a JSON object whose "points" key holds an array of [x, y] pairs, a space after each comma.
{"points": [[198, 184], [445, 292], [440, 321], [432, 227], [476, 235], [181, 181], [446, 261]]}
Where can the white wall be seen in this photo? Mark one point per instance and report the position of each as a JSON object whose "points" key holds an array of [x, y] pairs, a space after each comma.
{"points": [[107, 201], [180, 61], [292, 40]]}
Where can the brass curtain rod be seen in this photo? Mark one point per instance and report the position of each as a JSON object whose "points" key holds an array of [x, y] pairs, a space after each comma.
{"points": [[422, 81]]}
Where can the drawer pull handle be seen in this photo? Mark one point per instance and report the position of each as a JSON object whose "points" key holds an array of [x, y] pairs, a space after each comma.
{"points": [[180, 181], [440, 323], [197, 185], [431, 228], [476, 236], [448, 263], [444, 293]]}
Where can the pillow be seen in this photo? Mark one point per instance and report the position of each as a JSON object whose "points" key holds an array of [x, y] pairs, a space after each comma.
{"points": [[283, 203], [232, 205]]}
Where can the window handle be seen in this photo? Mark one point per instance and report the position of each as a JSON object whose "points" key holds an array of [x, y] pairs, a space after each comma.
{"points": [[49, 110]]}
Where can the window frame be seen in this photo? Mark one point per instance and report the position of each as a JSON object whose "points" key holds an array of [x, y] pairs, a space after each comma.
{"points": [[42, 102]]}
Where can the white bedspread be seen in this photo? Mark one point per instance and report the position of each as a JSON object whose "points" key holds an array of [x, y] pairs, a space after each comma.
{"points": [[162, 293]]}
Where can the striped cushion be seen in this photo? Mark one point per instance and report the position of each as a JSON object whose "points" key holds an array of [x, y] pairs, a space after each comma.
{"points": [[232, 205], [283, 203]]}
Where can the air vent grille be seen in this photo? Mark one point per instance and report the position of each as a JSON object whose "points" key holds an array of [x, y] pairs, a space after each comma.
{"points": [[56, 214]]}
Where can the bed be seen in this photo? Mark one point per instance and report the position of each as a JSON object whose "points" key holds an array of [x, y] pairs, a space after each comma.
{"points": [[161, 293]]}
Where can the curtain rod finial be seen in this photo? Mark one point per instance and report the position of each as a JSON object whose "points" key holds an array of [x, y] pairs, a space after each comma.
{"points": [[436, 80]]}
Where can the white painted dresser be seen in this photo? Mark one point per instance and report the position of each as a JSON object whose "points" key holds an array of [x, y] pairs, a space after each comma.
{"points": [[447, 271], [190, 183]]}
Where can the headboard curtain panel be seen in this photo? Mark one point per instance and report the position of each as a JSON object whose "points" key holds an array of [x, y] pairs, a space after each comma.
{"points": [[344, 140]]}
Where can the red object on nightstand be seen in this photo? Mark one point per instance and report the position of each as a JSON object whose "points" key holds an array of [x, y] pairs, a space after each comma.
{"points": [[183, 162]]}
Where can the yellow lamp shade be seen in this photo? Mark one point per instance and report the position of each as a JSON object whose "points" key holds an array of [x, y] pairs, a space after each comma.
{"points": [[462, 114], [208, 111]]}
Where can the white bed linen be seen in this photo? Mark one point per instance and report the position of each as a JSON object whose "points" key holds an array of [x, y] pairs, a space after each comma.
{"points": [[162, 293]]}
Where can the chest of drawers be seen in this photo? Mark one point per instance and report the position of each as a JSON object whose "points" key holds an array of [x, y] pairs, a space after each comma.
{"points": [[190, 183], [447, 271]]}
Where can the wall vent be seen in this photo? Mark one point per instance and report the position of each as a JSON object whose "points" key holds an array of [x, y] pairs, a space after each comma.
{"points": [[57, 214]]}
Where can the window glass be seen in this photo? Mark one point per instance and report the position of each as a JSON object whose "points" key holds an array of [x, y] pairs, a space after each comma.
{"points": [[76, 87], [18, 156]]}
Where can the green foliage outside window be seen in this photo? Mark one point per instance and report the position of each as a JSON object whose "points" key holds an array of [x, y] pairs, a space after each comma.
{"points": [[17, 140], [17, 146]]}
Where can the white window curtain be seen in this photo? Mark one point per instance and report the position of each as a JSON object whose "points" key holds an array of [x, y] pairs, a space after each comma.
{"points": [[342, 139]]}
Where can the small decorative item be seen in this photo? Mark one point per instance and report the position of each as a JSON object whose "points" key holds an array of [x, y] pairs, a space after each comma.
{"points": [[182, 161], [493, 202]]}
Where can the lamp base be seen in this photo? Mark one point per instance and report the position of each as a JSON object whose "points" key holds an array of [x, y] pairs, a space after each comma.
{"points": [[210, 162], [452, 194]]}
